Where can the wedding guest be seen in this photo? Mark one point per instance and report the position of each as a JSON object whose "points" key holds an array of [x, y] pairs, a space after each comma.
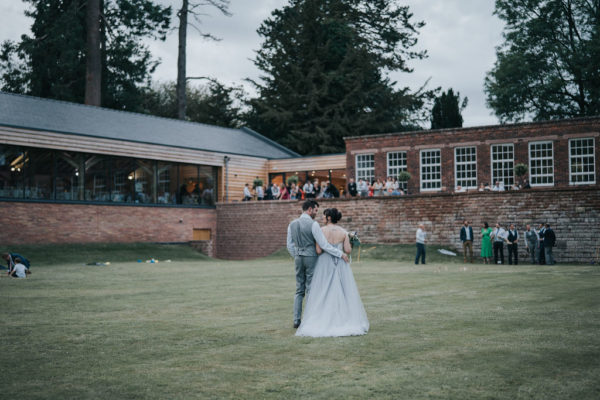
{"points": [[260, 193], [284, 193], [363, 188], [19, 270], [389, 186], [352, 188], [499, 236], [309, 189], [275, 191], [466, 236], [498, 187], [420, 236], [513, 245], [332, 190], [526, 184], [486, 243], [378, 188], [531, 243], [549, 242], [481, 187], [542, 252], [460, 189], [293, 191], [10, 260], [317, 188], [247, 194]]}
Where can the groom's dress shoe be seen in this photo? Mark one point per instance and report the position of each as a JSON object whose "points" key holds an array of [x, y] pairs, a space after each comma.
{"points": [[296, 325]]}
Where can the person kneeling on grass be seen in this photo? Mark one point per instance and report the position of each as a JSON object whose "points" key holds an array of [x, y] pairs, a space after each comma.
{"points": [[10, 261], [19, 270]]}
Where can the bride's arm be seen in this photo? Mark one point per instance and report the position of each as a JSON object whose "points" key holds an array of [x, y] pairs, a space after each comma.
{"points": [[347, 246], [318, 248]]}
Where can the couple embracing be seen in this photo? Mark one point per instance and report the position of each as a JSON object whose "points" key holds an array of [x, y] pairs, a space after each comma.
{"points": [[323, 274]]}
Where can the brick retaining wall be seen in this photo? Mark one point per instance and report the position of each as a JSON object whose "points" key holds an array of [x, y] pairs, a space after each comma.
{"points": [[30, 222], [256, 229]]}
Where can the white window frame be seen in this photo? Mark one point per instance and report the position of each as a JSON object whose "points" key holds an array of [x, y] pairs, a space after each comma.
{"points": [[434, 169], [400, 157], [503, 177], [470, 168], [546, 163], [362, 171], [582, 156]]}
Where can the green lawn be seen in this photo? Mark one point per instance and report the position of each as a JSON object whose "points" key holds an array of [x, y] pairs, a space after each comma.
{"points": [[218, 329]]}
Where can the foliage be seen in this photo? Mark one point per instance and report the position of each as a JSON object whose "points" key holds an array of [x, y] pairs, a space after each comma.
{"points": [[404, 176], [325, 66], [51, 62], [520, 169], [548, 66], [446, 112], [257, 182], [213, 104], [292, 179]]}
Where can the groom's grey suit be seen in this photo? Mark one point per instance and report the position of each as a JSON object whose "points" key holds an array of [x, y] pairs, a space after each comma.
{"points": [[302, 234]]}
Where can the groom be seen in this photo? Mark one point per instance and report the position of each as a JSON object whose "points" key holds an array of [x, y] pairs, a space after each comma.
{"points": [[302, 234]]}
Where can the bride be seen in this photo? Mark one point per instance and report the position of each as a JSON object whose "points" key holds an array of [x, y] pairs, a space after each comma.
{"points": [[333, 307]]}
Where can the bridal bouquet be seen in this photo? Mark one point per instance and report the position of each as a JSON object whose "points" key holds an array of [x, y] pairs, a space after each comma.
{"points": [[354, 240]]}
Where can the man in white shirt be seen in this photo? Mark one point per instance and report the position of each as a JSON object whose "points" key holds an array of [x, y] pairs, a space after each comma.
{"points": [[499, 236], [363, 188], [309, 189], [421, 234], [247, 194]]}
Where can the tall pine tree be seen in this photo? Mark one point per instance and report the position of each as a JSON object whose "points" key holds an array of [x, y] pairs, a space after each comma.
{"points": [[325, 66], [446, 112], [51, 62]]}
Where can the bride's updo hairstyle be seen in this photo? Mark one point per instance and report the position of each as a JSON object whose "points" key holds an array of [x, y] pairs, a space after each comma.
{"points": [[333, 215]]}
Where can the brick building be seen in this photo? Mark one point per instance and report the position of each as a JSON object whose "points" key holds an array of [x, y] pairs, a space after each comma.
{"points": [[557, 154]]}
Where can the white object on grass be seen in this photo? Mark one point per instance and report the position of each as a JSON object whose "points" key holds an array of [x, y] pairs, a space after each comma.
{"points": [[447, 252]]}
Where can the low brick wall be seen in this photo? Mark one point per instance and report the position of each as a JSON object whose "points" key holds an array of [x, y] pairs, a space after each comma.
{"points": [[30, 222], [256, 229]]}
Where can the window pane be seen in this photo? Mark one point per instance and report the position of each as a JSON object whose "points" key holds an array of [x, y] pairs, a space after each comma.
{"points": [[123, 174], [69, 176], [207, 185], [189, 192], [167, 183], [145, 189], [37, 170], [11, 172], [97, 178]]}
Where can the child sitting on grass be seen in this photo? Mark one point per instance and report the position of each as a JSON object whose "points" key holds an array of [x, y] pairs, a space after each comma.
{"points": [[19, 270]]}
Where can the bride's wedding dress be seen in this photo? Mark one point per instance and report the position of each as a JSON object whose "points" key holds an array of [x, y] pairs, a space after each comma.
{"points": [[333, 307]]}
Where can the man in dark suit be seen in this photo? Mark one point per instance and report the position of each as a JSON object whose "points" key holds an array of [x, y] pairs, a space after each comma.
{"points": [[549, 242], [542, 256], [466, 235], [352, 188], [513, 247]]}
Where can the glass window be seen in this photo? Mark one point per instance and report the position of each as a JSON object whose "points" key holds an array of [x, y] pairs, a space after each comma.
{"points": [[97, 178], [167, 183], [123, 174], [365, 167], [465, 167], [502, 164], [189, 190], [145, 189], [11, 172], [69, 182], [37, 171], [541, 164], [582, 161], [397, 163], [207, 185], [431, 170]]}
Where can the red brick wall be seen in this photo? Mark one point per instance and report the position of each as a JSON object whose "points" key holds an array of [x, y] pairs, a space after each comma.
{"points": [[559, 132], [256, 229], [24, 222]]}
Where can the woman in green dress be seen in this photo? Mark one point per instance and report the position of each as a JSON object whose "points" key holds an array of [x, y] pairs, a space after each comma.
{"points": [[486, 244]]}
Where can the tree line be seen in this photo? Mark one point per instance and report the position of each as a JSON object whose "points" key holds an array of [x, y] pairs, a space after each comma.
{"points": [[325, 66]]}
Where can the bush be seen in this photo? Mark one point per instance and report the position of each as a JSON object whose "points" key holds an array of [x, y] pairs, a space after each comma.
{"points": [[404, 176], [257, 182], [292, 179], [520, 169]]}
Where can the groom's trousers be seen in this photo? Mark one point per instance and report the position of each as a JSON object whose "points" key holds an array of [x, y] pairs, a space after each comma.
{"points": [[305, 267]]}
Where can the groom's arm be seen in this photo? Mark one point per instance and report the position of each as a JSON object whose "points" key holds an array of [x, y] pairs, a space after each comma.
{"points": [[290, 243], [322, 242]]}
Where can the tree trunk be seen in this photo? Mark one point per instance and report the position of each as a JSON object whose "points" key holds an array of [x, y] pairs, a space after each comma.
{"points": [[181, 72], [93, 68]]}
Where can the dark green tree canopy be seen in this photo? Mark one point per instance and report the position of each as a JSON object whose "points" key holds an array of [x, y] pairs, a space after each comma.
{"points": [[51, 62], [549, 64], [324, 70], [214, 103], [446, 111]]}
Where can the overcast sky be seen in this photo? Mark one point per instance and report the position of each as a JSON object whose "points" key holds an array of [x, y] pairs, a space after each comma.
{"points": [[460, 37]]}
